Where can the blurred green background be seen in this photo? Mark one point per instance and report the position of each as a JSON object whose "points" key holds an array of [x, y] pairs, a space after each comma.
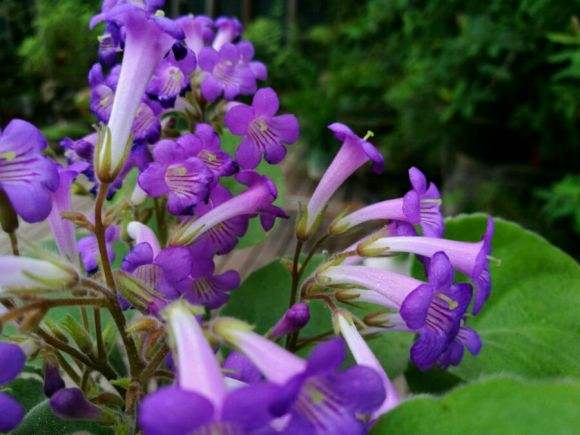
{"points": [[483, 96]]}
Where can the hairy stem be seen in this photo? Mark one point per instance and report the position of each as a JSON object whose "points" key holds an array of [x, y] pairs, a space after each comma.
{"points": [[154, 363], [101, 354], [118, 317], [46, 304], [100, 230]]}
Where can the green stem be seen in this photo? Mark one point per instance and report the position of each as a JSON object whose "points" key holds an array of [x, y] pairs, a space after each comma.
{"points": [[100, 230], [118, 317], [153, 364], [102, 368], [14, 243], [101, 354]]}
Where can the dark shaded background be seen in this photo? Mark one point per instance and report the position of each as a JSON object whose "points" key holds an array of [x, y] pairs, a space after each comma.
{"points": [[482, 96]]}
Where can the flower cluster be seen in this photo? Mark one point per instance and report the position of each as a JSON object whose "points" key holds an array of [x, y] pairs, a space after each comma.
{"points": [[171, 96]]}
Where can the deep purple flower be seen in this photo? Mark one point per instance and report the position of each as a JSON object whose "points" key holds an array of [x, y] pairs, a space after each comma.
{"points": [[171, 77], [353, 153], [294, 319], [223, 236], [26, 176], [257, 199], [466, 338], [12, 360], [205, 145], [211, 291], [147, 39], [264, 134], [89, 248], [79, 154], [185, 180], [110, 42], [11, 412], [198, 31], [147, 123], [316, 396], [200, 401], [247, 55], [433, 310], [420, 206], [470, 258], [240, 367], [160, 269], [225, 74], [228, 29], [70, 403]]}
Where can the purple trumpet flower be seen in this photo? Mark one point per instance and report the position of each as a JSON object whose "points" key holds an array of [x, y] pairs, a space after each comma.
{"points": [[294, 319], [224, 73], [89, 248], [247, 55], [470, 258], [315, 395], [147, 39], [434, 309], [264, 134], [420, 206], [240, 367], [256, 199], [185, 180], [110, 45], [200, 402], [211, 291], [79, 154], [70, 403], [353, 153], [160, 269], [12, 360], [198, 31], [205, 145], [63, 230], [32, 274], [364, 356], [466, 338], [171, 78], [223, 237], [146, 125], [27, 178], [228, 29]]}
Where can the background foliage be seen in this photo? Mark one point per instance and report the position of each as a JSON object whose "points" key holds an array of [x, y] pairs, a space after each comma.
{"points": [[483, 96]]}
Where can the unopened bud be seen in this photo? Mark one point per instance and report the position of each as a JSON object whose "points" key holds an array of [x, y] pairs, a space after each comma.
{"points": [[293, 320]]}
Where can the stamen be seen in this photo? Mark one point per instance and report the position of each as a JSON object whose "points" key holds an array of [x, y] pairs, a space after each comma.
{"points": [[8, 156], [494, 260], [451, 303], [368, 135]]}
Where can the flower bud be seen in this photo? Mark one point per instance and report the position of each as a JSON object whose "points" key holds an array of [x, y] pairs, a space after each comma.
{"points": [[53, 382], [293, 320], [70, 403]]}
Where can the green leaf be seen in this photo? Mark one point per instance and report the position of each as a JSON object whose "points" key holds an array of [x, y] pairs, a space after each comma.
{"points": [[28, 391], [529, 326], [255, 234], [491, 406], [42, 421]]}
